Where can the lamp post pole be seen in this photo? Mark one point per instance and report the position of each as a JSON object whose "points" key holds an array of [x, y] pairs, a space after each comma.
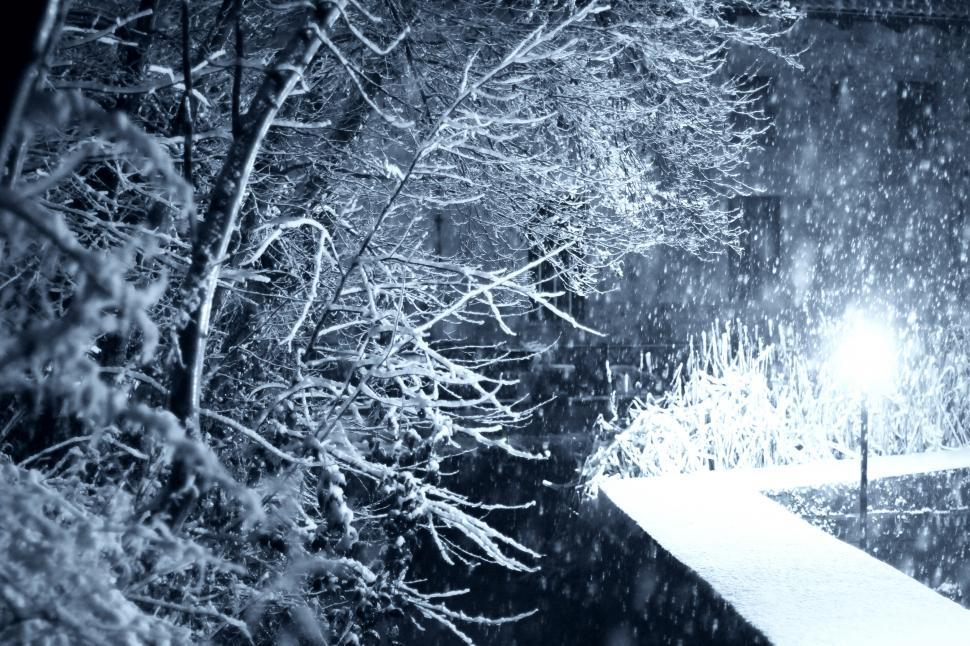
{"points": [[866, 361], [864, 476]]}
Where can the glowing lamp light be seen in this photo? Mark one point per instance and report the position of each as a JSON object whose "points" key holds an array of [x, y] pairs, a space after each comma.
{"points": [[866, 358], [865, 361]]}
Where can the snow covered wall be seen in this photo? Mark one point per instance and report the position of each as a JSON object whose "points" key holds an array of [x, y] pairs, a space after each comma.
{"points": [[793, 582]]}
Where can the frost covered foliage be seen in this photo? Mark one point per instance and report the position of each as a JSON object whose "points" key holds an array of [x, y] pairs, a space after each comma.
{"points": [[232, 370], [746, 399]]}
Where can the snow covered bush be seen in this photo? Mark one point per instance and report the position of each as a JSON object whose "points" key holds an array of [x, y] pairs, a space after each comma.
{"points": [[233, 366], [62, 568], [746, 398]]}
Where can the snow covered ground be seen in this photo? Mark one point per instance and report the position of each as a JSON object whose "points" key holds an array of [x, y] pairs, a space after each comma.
{"points": [[792, 581]]}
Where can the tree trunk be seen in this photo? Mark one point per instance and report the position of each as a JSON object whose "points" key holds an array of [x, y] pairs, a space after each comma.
{"points": [[26, 42], [212, 242]]}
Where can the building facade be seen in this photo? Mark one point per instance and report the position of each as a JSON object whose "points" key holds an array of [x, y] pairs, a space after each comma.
{"points": [[859, 193], [859, 196]]}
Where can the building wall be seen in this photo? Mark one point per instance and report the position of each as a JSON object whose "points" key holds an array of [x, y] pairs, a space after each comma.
{"points": [[863, 219]]}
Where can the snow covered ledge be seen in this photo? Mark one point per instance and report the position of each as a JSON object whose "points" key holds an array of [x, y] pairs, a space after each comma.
{"points": [[792, 581]]}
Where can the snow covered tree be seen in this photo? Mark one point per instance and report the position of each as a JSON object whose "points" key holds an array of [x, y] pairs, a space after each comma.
{"points": [[226, 390]]}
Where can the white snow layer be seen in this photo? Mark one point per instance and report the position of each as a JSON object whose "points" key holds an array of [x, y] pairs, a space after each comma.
{"points": [[792, 581]]}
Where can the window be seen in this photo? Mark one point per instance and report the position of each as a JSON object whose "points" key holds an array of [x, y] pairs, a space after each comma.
{"points": [[759, 108], [760, 243], [840, 93], [549, 279], [915, 111]]}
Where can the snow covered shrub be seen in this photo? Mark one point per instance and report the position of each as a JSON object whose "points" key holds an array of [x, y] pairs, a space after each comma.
{"points": [[233, 364], [65, 565], [729, 404], [746, 399], [930, 407]]}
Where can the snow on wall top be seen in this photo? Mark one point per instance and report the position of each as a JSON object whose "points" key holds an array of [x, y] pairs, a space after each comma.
{"points": [[792, 581]]}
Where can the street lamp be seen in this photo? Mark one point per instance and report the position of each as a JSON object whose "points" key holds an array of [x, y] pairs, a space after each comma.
{"points": [[865, 361]]}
